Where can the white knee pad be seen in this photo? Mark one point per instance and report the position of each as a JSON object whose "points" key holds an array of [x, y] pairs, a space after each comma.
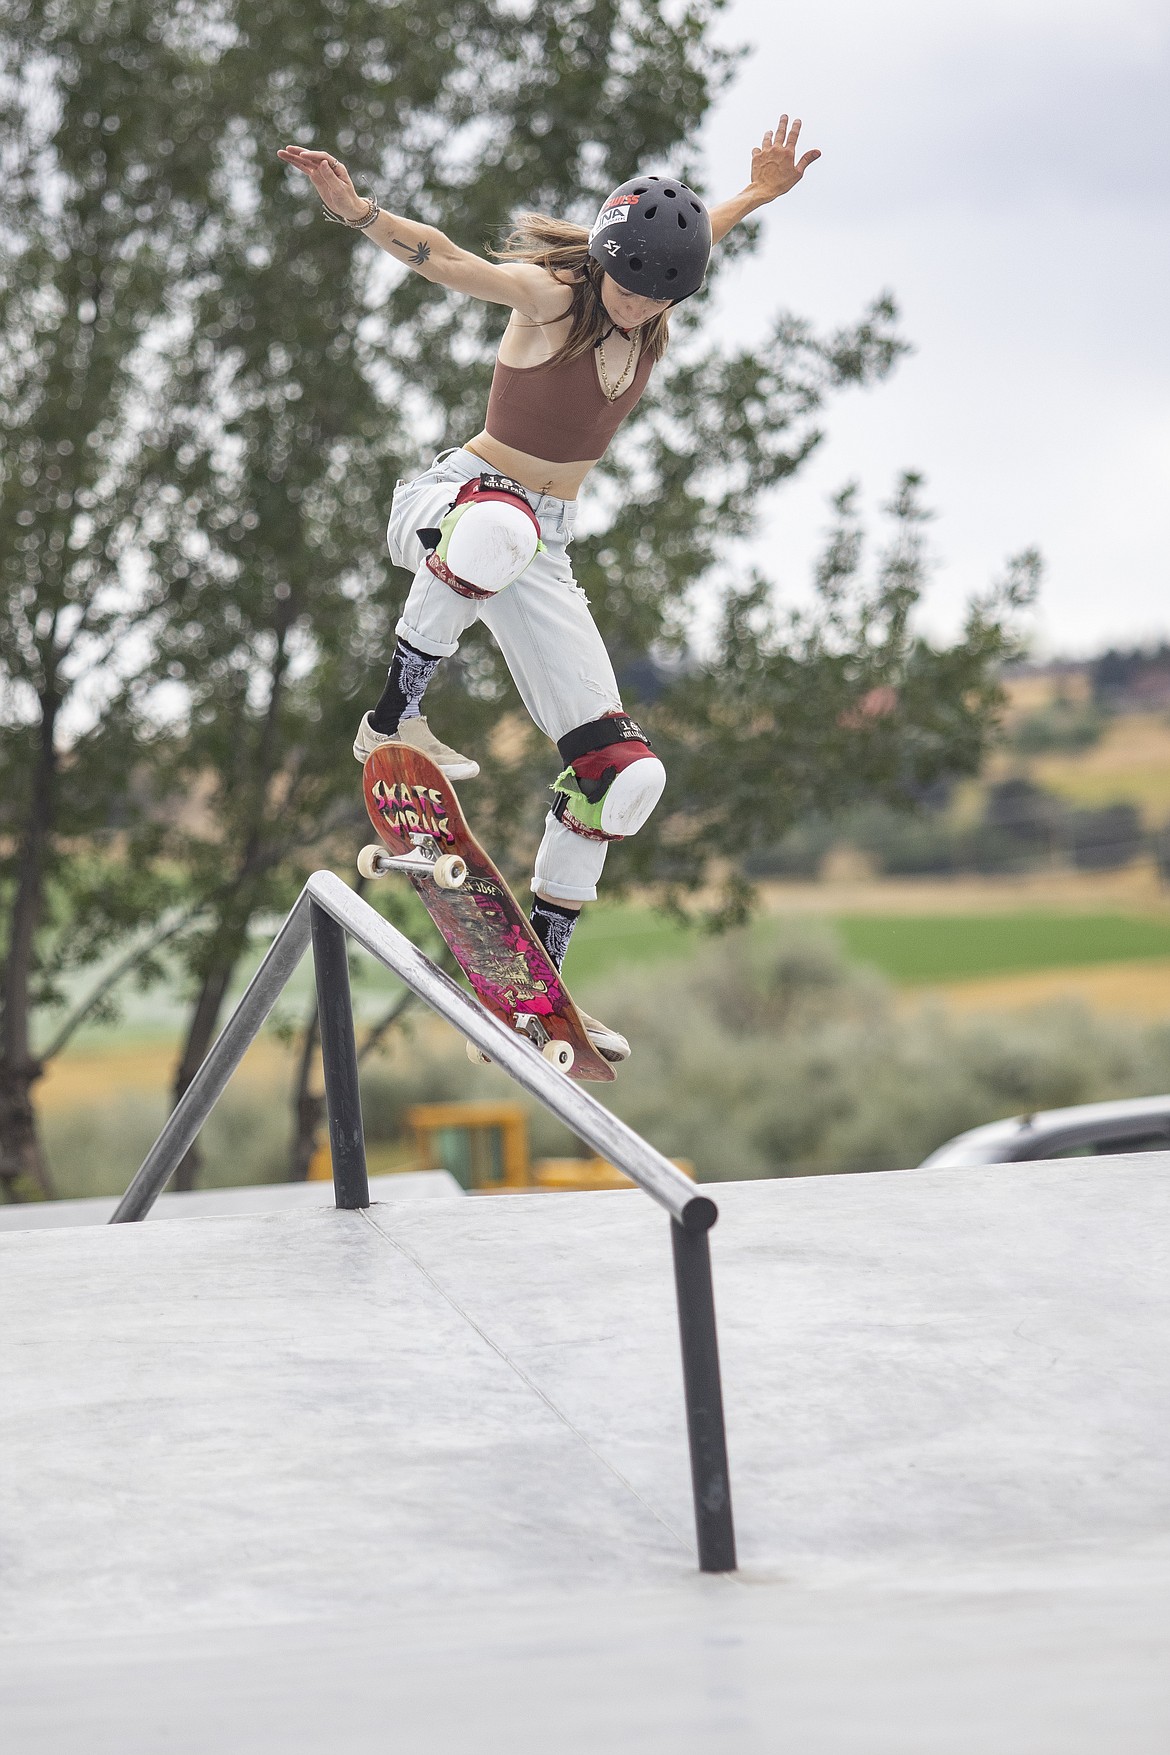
{"points": [[631, 796], [487, 538], [613, 779], [567, 865]]}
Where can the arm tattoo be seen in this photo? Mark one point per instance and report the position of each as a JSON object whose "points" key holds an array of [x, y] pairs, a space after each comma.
{"points": [[418, 253]]}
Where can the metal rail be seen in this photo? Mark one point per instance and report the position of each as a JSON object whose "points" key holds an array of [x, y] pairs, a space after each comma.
{"points": [[326, 910]]}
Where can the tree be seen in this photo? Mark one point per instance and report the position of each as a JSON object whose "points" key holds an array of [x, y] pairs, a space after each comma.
{"points": [[304, 383], [91, 207], [825, 707], [285, 374]]}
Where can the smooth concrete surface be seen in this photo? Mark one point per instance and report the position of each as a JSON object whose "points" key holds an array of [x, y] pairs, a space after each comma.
{"points": [[417, 1479], [208, 1203]]}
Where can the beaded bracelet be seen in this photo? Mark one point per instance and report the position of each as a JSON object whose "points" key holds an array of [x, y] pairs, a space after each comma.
{"points": [[354, 225]]}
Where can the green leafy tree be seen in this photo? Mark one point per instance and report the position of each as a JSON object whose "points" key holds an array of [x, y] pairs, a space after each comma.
{"points": [[808, 712], [285, 374], [306, 381], [91, 208]]}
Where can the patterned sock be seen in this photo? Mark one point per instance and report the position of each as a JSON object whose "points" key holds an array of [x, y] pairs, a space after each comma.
{"points": [[553, 926], [410, 672]]}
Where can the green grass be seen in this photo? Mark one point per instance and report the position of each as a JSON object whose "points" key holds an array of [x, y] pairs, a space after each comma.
{"points": [[612, 937], [954, 947], [909, 949]]}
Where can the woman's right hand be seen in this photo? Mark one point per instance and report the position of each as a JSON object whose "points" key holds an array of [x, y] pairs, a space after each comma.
{"points": [[330, 179]]}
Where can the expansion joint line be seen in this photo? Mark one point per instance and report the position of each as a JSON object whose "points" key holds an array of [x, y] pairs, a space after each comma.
{"points": [[524, 1377]]}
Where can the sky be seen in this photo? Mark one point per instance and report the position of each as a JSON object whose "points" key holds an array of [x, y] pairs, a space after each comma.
{"points": [[1004, 169]]}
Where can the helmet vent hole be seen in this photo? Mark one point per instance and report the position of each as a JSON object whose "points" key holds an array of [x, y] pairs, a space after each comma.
{"points": [[696, 207], [671, 192], [650, 211], [635, 262], [672, 274], [683, 221], [641, 189]]}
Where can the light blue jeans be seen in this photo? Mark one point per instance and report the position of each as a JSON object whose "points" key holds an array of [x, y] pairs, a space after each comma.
{"points": [[542, 625]]}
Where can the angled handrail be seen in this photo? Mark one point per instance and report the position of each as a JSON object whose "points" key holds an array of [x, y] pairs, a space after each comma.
{"points": [[326, 910]]}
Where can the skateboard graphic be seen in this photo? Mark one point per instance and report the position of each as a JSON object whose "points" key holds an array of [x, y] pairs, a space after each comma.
{"points": [[423, 834]]}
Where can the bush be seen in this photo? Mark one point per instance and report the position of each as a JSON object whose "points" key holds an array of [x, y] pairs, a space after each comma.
{"points": [[786, 1061], [1106, 839], [764, 1054], [1062, 725], [96, 1149], [767, 1054]]}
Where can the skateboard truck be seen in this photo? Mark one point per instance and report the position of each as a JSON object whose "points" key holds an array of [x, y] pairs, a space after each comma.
{"points": [[448, 870], [528, 1024]]}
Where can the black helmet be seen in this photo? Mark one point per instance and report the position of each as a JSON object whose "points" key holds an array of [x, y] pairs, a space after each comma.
{"points": [[654, 237]]}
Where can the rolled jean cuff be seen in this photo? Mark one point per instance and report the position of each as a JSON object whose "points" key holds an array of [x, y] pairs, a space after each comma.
{"points": [[425, 643], [567, 865], [562, 892]]}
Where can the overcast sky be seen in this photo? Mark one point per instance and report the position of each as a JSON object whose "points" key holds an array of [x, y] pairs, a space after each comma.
{"points": [[1003, 168]]}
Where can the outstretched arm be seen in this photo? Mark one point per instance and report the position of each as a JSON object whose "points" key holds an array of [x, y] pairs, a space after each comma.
{"points": [[430, 252], [775, 170]]}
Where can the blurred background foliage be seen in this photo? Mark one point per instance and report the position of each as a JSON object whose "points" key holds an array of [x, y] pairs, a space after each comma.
{"points": [[759, 1053], [206, 396]]}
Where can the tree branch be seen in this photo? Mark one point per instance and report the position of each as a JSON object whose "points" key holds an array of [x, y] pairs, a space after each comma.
{"points": [[157, 938]]}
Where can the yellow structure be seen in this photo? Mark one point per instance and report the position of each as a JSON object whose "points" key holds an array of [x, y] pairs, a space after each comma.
{"points": [[576, 1173], [484, 1145]]}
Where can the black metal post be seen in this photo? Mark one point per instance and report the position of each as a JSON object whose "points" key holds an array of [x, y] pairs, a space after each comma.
{"points": [[704, 1396], [347, 1140]]}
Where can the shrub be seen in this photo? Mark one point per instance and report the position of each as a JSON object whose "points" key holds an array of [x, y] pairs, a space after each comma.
{"points": [[789, 1062]]}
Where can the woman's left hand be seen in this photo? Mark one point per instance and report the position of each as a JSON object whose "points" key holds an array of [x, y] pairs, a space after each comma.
{"points": [[775, 167]]}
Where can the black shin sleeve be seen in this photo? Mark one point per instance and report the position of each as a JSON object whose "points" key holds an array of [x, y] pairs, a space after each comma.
{"points": [[553, 926], [410, 672]]}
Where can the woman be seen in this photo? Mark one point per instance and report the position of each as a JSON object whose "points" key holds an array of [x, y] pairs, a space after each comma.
{"points": [[486, 529]]}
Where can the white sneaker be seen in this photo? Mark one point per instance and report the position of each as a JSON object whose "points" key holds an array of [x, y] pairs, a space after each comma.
{"points": [[610, 1044], [417, 735]]}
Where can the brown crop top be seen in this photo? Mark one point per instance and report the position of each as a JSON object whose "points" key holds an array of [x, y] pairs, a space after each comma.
{"points": [[560, 412]]}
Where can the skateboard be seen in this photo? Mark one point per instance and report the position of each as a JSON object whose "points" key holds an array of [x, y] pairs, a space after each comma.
{"points": [[423, 834]]}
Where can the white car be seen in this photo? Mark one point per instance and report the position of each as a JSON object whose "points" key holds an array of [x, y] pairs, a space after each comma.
{"points": [[1139, 1124]]}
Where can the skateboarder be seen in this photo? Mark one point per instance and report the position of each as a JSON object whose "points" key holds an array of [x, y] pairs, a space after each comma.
{"points": [[486, 529]]}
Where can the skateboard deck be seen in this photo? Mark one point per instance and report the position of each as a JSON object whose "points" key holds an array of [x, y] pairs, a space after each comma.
{"points": [[416, 813]]}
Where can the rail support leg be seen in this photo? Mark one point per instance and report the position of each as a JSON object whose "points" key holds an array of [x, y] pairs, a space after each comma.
{"points": [[704, 1396], [347, 1140]]}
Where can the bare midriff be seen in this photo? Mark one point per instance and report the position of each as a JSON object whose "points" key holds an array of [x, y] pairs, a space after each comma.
{"points": [[537, 474]]}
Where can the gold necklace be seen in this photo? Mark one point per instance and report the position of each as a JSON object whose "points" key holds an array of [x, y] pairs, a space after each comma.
{"points": [[612, 393]]}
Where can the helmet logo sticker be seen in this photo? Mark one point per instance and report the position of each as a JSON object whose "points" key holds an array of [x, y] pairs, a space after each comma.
{"points": [[613, 247], [607, 217]]}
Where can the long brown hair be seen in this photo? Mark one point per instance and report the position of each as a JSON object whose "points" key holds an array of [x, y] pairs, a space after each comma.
{"points": [[563, 249]]}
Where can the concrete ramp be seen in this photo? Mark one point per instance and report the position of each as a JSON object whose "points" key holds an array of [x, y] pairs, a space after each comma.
{"points": [[218, 1203], [418, 1479]]}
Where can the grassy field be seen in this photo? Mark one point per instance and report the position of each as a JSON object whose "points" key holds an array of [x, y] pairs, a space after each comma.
{"points": [[1137, 992], [971, 946], [932, 948], [908, 948], [611, 938]]}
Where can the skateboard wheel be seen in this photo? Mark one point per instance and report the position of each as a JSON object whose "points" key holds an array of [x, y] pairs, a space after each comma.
{"points": [[449, 871], [476, 1056], [560, 1053], [372, 861]]}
